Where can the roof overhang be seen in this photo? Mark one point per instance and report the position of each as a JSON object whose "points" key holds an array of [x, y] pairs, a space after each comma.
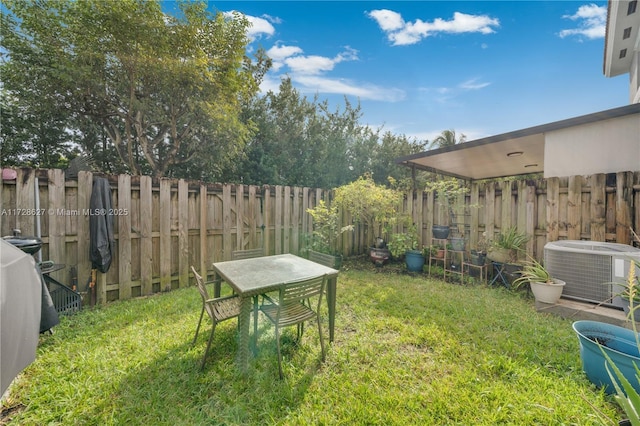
{"points": [[515, 153]]}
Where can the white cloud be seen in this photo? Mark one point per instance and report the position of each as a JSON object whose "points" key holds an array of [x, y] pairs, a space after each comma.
{"points": [[449, 95], [258, 26], [473, 84], [319, 84], [312, 64], [400, 32], [387, 19], [591, 20], [308, 72], [279, 53]]}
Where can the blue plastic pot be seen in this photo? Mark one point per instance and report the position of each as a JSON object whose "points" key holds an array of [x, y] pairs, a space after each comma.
{"points": [[620, 345], [414, 260]]}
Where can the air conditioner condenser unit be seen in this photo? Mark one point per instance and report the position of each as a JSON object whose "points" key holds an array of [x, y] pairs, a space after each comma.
{"points": [[593, 271]]}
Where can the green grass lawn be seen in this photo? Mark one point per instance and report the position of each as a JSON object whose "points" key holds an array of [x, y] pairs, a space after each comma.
{"points": [[408, 351]]}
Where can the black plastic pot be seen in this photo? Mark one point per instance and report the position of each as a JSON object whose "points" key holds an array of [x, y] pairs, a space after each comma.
{"points": [[440, 231]]}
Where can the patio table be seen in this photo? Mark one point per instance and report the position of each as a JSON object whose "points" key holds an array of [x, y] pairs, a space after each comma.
{"points": [[252, 277]]}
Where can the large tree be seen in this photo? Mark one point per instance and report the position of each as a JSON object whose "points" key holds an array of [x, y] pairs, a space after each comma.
{"points": [[167, 91]]}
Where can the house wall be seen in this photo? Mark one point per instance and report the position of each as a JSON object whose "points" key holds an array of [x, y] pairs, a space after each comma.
{"points": [[634, 79], [603, 147]]}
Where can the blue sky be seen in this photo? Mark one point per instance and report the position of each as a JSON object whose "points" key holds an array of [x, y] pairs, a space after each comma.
{"points": [[420, 67]]}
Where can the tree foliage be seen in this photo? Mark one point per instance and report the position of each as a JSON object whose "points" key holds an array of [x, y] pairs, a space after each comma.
{"points": [[303, 142], [374, 205], [166, 91]]}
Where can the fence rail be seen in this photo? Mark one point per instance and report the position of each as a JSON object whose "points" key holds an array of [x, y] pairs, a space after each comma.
{"points": [[162, 226]]}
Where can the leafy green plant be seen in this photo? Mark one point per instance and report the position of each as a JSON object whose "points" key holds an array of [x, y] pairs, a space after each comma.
{"points": [[400, 243], [511, 240], [371, 204], [447, 191], [326, 228], [533, 271]]}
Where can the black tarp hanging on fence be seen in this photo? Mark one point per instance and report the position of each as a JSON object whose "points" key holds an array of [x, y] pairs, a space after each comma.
{"points": [[102, 241]]}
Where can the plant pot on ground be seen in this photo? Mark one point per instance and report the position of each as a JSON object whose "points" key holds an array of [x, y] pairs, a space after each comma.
{"points": [[545, 288], [404, 245], [414, 260], [379, 256]]}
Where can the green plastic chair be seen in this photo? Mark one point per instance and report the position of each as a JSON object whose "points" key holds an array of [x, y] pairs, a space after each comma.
{"points": [[219, 309], [290, 309], [247, 254]]}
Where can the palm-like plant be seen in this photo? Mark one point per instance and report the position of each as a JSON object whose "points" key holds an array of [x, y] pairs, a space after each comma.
{"points": [[533, 271], [446, 139]]}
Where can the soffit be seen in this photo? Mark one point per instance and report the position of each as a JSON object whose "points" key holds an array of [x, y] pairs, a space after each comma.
{"points": [[488, 158]]}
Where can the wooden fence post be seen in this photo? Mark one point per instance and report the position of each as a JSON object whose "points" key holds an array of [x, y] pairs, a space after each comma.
{"points": [[553, 193], [597, 207], [146, 235], [124, 236], [624, 195], [164, 210], [183, 233]]}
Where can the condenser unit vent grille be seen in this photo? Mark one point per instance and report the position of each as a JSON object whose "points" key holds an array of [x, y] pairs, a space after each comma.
{"points": [[586, 274]]}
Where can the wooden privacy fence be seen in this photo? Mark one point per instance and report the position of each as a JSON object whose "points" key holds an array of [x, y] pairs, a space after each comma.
{"points": [[162, 226], [597, 207]]}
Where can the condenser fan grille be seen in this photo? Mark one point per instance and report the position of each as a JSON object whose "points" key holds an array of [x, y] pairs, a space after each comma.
{"points": [[587, 275]]}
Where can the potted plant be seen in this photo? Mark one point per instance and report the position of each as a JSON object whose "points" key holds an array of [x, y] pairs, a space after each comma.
{"points": [[405, 245], [448, 191], [435, 251], [545, 288], [479, 254], [374, 206], [610, 354], [505, 248], [326, 230], [457, 243]]}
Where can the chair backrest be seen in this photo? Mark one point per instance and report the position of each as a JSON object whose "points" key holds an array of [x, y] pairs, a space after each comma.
{"points": [[301, 290], [322, 258], [200, 283], [203, 291], [247, 254]]}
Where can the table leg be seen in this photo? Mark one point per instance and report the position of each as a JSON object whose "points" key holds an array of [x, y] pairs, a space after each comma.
{"points": [[255, 325], [242, 356], [332, 285], [217, 286]]}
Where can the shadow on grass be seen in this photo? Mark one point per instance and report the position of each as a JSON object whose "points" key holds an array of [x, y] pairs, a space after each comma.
{"points": [[171, 388]]}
